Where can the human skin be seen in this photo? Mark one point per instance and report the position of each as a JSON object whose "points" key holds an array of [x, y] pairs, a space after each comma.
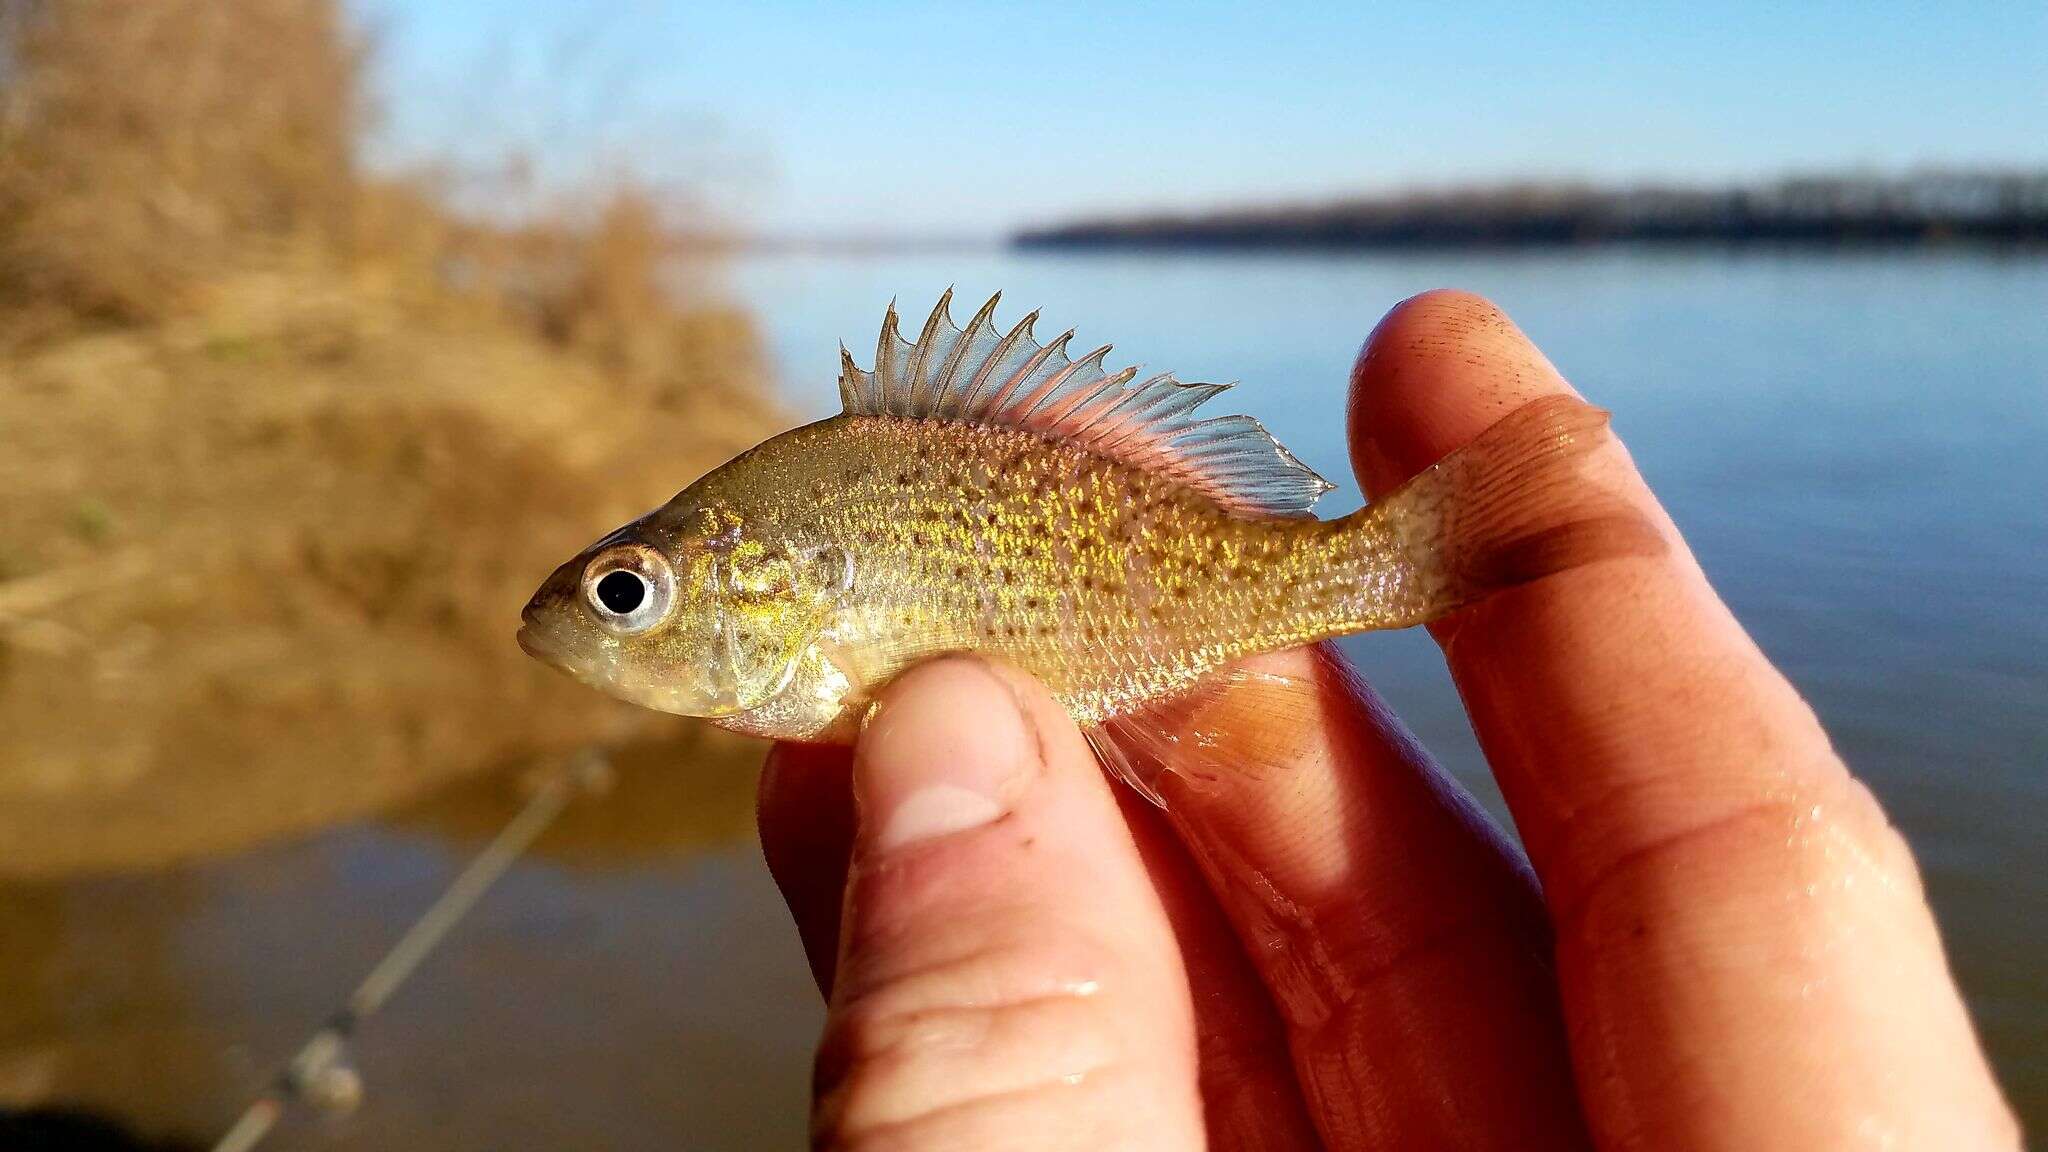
{"points": [[1714, 941]]}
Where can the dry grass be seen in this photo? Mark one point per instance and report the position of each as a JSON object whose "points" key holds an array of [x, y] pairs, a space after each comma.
{"points": [[267, 563], [285, 449], [150, 143]]}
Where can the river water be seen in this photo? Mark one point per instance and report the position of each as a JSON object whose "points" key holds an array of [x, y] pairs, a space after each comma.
{"points": [[1856, 444]]}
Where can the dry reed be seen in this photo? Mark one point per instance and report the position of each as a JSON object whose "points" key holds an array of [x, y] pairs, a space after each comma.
{"points": [[286, 443]]}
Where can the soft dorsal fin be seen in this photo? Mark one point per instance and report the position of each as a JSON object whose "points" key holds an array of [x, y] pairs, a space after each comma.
{"points": [[977, 375]]}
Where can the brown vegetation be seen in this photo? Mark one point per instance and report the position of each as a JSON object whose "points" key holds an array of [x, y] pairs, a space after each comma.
{"points": [[150, 142], [286, 446]]}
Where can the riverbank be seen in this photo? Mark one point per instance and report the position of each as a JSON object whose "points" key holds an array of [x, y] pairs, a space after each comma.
{"points": [[1943, 207], [260, 564]]}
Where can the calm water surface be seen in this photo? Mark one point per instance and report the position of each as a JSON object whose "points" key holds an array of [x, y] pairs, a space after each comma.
{"points": [[1856, 446]]}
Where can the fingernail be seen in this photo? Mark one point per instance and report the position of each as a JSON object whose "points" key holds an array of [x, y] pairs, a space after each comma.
{"points": [[948, 749]]}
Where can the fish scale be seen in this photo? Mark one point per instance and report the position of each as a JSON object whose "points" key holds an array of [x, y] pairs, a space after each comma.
{"points": [[1103, 581], [982, 492]]}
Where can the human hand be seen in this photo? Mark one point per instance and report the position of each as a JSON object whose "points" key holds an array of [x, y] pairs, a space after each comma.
{"points": [[1728, 946]]}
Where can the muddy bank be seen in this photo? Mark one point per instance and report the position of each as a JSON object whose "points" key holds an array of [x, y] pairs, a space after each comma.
{"points": [[260, 568]]}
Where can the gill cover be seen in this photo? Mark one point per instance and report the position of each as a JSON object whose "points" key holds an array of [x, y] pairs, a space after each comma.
{"points": [[770, 604]]}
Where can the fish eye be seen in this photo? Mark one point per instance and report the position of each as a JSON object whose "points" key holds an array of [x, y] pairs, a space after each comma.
{"points": [[629, 588], [620, 591]]}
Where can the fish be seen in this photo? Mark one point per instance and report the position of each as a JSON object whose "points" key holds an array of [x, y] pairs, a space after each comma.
{"points": [[984, 492]]}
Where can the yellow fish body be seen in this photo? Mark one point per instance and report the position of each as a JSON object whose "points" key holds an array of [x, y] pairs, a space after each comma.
{"points": [[984, 492]]}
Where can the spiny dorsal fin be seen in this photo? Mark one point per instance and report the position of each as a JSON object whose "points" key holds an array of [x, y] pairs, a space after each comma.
{"points": [[977, 375]]}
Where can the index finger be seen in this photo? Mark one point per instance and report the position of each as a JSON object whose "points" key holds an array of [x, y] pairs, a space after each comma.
{"points": [[1744, 952]]}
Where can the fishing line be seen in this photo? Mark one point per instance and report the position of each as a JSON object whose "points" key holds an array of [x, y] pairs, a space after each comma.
{"points": [[321, 1072]]}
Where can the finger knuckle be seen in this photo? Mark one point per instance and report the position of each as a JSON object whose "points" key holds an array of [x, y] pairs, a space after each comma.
{"points": [[982, 1030], [1821, 839], [892, 1070]]}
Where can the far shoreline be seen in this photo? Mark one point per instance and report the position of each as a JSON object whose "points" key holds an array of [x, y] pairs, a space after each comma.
{"points": [[1931, 209]]}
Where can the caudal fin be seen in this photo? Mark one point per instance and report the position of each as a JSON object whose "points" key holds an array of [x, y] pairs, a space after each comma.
{"points": [[1510, 507]]}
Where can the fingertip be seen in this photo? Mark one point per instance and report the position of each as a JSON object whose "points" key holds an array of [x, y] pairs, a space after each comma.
{"points": [[804, 805], [947, 748], [1436, 371], [792, 778], [976, 796], [996, 895]]}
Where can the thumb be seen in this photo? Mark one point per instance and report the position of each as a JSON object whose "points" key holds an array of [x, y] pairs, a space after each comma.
{"points": [[1007, 977]]}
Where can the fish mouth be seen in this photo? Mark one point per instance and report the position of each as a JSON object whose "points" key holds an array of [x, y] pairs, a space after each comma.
{"points": [[529, 642], [542, 645], [543, 640], [533, 637]]}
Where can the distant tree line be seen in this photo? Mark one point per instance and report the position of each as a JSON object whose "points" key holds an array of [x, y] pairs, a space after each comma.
{"points": [[2000, 207]]}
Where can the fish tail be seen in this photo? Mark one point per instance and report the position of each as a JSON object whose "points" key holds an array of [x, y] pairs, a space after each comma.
{"points": [[1510, 507], [1506, 509]]}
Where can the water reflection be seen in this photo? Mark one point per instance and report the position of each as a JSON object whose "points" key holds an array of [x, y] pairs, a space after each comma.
{"points": [[78, 1130], [633, 978]]}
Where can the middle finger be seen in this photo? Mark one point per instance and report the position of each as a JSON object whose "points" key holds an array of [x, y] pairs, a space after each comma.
{"points": [[1400, 933]]}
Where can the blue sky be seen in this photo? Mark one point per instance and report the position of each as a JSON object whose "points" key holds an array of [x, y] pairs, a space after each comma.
{"points": [[967, 119]]}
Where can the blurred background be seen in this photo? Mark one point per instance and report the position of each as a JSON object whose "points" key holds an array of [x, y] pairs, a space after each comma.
{"points": [[327, 329]]}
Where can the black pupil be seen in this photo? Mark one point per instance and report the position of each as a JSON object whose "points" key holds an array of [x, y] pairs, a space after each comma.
{"points": [[621, 591]]}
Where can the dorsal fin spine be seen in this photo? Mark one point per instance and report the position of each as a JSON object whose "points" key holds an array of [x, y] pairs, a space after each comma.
{"points": [[920, 353], [849, 380], [973, 375], [999, 404], [1072, 408], [1125, 416], [970, 403], [1093, 410], [1028, 407], [1160, 398], [886, 371], [952, 400]]}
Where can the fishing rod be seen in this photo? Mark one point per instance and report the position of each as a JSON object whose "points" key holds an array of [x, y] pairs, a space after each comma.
{"points": [[321, 1072]]}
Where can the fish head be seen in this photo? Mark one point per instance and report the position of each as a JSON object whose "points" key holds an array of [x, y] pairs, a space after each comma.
{"points": [[689, 610]]}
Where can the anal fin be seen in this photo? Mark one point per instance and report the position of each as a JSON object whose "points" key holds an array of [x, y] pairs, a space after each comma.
{"points": [[1117, 762], [1243, 721]]}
